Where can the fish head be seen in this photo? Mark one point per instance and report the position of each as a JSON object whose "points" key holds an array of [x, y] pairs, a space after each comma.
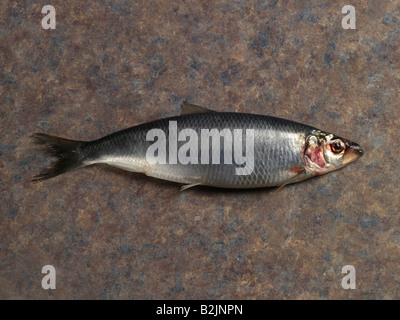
{"points": [[325, 152]]}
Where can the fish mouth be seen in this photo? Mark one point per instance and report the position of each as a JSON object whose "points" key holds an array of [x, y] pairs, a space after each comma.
{"points": [[352, 153]]}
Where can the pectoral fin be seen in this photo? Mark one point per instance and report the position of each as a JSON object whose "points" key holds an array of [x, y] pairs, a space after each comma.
{"points": [[299, 175]]}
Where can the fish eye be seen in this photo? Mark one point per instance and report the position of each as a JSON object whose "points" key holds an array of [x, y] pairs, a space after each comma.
{"points": [[337, 146]]}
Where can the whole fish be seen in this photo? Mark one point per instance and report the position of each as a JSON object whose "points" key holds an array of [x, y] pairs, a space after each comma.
{"points": [[204, 147]]}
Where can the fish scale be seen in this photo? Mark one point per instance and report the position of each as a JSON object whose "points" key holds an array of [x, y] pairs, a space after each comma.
{"points": [[277, 145]]}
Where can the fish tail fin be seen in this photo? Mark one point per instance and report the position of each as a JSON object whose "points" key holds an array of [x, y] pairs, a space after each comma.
{"points": [[68, 154]]}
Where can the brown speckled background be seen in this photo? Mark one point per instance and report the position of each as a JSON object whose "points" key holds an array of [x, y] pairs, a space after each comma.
{"points": [[117, 235]]}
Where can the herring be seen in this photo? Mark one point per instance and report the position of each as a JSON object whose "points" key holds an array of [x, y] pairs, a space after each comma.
{"points": [[280, 151]]}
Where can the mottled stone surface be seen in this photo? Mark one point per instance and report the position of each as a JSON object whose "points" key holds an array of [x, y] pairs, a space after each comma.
{"points": [[116, 235]]}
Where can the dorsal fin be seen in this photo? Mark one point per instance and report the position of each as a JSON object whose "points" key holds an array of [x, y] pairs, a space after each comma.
{"points": [[189, 108]]}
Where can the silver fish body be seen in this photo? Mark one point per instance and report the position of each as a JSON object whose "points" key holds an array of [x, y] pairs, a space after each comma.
{"points": [[280, 147]]}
